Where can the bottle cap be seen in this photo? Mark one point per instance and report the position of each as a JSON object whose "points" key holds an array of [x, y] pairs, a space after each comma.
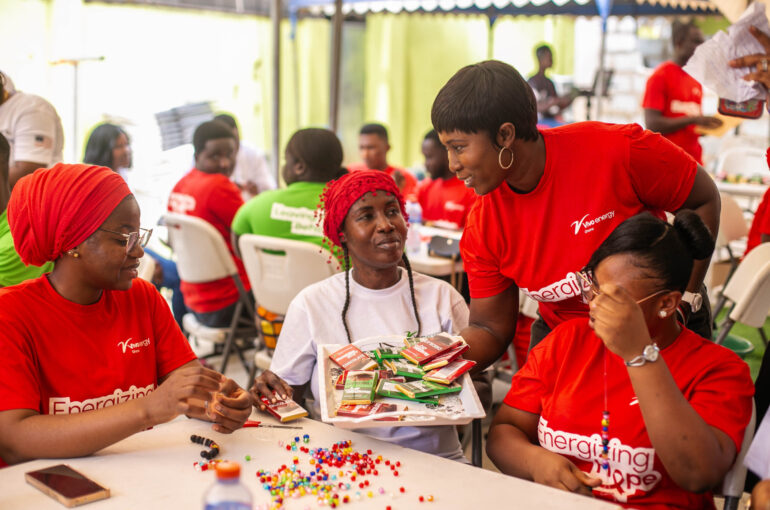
{"points": [[228, 470]]}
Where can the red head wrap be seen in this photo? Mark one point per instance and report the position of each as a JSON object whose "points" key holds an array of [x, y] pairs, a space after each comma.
{"points": [[55, 209], [339, 195]]}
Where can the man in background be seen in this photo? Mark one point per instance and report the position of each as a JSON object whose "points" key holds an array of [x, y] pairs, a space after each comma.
{"points": [[672, 99], [252, 173], [549, 103], [33, 129], [373, 146]]}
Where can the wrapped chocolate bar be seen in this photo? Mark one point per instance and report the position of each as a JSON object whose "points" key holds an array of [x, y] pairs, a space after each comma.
{"points": [[360, 387], [362, 410], [385, 351], [429, 348], [446, 358], [284, 410], [404, 368], [389, 389], [351, 357], [339, 383], [450, 372], [421, 389]]}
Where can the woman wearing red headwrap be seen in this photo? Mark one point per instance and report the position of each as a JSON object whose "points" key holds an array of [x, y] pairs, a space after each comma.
{"points": [[90, 353], [364, 215]]}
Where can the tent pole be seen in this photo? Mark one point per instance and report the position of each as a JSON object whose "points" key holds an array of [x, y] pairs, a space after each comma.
{"points": [[600, 78], [334, 85], [275, 19]]}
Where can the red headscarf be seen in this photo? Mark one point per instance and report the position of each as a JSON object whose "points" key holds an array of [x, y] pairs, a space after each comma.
{"points": [[55, 209], [339, 195]]}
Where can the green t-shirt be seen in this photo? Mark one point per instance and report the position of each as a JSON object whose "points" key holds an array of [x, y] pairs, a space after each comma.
{"points": [[287, 213], [12, 269]]}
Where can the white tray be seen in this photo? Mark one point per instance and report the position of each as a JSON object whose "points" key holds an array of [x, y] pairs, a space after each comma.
{"points": [[455, 409]]}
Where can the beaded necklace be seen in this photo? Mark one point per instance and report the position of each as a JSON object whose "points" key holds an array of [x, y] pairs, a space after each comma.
{"points": [[605, 421]]}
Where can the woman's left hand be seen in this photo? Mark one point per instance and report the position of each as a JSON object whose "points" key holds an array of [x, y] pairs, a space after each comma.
{"points": [[230, 407], [618, 320], [758, 61]]}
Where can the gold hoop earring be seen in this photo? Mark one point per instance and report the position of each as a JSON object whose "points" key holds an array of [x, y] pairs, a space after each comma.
{"points": [[500, 158]]}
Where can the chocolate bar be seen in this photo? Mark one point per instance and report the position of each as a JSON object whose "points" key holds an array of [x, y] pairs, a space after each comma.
{"points": [[351, 357], [339, 384], [362, 410], [449, 373], [429, 348], [284, 410], [421, 389], [446, 358], [360, 387], [388, 389], [385, 351], [404, 368]]}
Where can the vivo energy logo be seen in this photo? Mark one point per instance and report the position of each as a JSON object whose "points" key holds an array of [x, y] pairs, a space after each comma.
{"points": [[134, 346], [588, 225]]}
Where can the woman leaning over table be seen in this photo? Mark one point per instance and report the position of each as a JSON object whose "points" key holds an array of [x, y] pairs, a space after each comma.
{"points": [[549, 198], [676, 404], [91, 354]]}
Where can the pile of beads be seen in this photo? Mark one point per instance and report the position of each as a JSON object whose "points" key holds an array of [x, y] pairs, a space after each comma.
{"points": [[205, 466], [206, 454]]}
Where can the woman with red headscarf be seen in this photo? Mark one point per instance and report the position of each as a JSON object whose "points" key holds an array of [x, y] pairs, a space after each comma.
{"points": [[90, 353], [364, 215]]}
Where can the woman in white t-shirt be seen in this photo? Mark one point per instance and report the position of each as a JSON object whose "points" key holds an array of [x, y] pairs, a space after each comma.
{"points": [[364, 215]]}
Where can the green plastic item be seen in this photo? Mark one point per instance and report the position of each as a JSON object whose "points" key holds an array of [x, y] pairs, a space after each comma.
{"points": [[738, 345]]}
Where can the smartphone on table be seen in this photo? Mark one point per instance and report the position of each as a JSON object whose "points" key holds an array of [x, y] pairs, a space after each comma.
{"points": [[67, 486]]}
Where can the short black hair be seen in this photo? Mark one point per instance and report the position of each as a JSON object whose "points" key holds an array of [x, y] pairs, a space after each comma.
{"points": [[227, 119], [541, 50], [484, 96], [211, 130], [320, 150], [432, 135], [680, 30], [374, 129], [100, 143], [665, 252]]}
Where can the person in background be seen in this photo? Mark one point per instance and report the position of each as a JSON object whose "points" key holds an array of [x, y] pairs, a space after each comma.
{"points": [[32, 127], [313, 158], [444, 199], [364, 215], [207, 192], [373, 146], [110, 146], [91, 354], [252, 173], [672, 98], [12, 269], [671, 406], [549, 103]]}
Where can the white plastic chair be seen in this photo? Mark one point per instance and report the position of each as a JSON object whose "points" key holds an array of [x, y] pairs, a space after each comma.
{"points": [[749, 291], [146, 267], [202, 256], [731, 238], [746, 161], [735, 479], [278, 270]]}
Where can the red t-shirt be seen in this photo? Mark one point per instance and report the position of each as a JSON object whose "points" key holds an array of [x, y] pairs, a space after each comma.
{"points": [[446, 200], [60, 357], [408, 187], [563, 382], [675, 93], [214, 198], [596, 176], [760, 224]]}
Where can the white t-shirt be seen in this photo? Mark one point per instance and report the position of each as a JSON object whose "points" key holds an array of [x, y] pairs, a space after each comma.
{"points": [[251, 165], [32, 127], [315, 317]]}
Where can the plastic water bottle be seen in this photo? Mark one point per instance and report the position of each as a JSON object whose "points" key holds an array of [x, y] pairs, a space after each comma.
{"points": [[228, 493], [413, 241]]}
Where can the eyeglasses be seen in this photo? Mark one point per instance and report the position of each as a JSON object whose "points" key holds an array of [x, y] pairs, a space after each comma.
{"points": [[133, 238], [589, 290]]}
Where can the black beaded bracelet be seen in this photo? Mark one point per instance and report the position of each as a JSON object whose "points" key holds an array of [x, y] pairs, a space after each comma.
{"points": [[206, 454]]}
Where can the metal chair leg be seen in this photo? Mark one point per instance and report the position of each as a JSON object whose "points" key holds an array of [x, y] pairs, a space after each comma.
{"points": [[724, 330], [476, 442], [762, 335], [230, 340]]}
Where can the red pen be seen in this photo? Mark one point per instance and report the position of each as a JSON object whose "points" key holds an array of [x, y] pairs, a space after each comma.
{"points": [[254, 424]]}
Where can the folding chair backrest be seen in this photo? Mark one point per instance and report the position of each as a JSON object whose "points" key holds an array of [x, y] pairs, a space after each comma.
{"points": [[735, 479], [749, 288], [732, 224], [745, 161], [200, 251], [279, 269]]}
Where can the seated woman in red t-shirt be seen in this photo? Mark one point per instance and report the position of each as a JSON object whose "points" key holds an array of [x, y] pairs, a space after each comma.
{"points": [[628, 404], [91, 354]]}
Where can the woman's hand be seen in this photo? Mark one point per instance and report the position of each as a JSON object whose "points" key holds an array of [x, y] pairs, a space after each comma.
{"points": [[619, 322], [268, 384], [174, 395], [759, 61], [556, 471], [230, 407]]}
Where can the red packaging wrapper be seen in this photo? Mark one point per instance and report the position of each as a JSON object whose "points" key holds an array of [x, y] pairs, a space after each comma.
{"points": [[351, 357], [446, 358], [359, 411], [284, 410], [450, 372], [428, 349]]}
